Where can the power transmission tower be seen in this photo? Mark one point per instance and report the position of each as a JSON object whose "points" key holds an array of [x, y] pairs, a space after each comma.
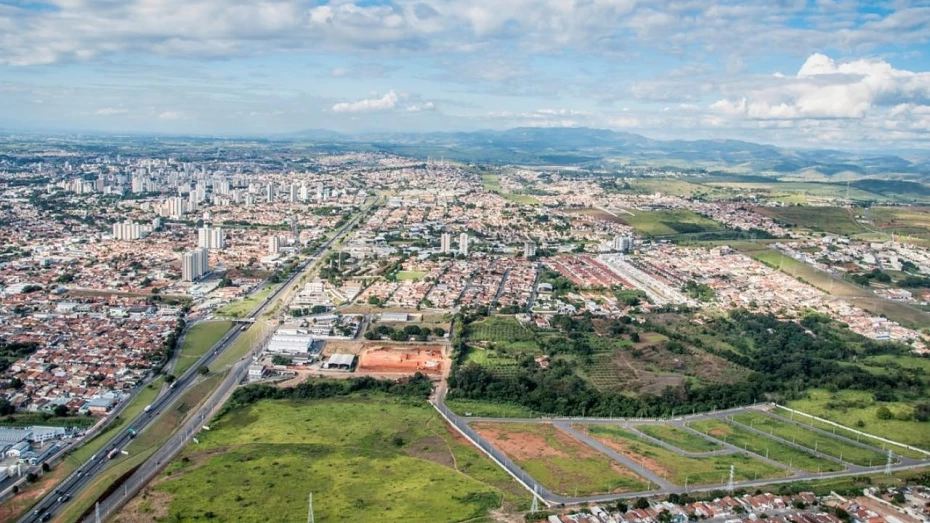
{"points": [[310, 509], [732, 475], [535, 507], [888, 464]]}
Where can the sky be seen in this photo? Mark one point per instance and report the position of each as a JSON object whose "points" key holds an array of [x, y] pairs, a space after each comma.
{"points": [[807, 73]]}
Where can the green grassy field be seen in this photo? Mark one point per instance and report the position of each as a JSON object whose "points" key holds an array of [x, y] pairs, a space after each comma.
{"points": [[492, 183], [763, 446], [464, 407], [27, 419], [366, 458], [240, 308], [810, 439], [848, 407], [680, 438], [197, 341], [558, 461], [410, 275], [669, 223], [836, 220], [681, 469]]}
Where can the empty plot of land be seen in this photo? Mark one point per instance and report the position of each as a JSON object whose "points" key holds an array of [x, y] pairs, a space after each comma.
{"points": [[812, 440], [763, 446], [836, 220], [677, 468], [558, 461], [679, 438], [407, 360]]}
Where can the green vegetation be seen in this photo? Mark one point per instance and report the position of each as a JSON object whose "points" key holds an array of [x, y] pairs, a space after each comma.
{"points": [[836, 220], [489, 409], [810, 439], [197, 341], [849, 407], [764, 446], [669, 223], [680, 438], [491, 183], [27, 419], [374, 457], [558, 461], [241, 308], [681, 469], [410, 275]]}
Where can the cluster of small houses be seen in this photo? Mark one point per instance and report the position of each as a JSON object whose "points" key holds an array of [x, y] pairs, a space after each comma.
{"points": [[27, 445], [800, 508]]}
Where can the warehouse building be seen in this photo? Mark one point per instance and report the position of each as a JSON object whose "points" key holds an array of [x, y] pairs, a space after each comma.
{"points": [[340, 362]]}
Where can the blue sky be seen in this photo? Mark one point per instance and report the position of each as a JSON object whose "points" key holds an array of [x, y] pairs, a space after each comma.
{"points": [[815, 73]]}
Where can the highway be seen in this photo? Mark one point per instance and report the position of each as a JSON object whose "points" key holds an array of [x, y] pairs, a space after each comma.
{"points": [[88, 472]]}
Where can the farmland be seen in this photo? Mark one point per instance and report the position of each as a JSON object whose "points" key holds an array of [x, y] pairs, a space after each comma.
{"points": [[375, 458], [679, 437], [682, 469], [764, 446], [810, 439], [835, 220], [558, 461], [669, 223]]}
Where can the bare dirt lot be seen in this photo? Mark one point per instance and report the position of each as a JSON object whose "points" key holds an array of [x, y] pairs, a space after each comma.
{"points": [[428, 359]]}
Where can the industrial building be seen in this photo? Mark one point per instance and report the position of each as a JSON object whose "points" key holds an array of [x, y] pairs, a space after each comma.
{"points": [[340, 362]]}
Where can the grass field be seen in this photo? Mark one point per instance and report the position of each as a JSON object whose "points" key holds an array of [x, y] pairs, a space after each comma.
{"points": [[240, 308], [558, 461], [763, 446], [909, 221], [367, 458], [669, 223], [27, 419], [680, 438], [682, 469], [492, 183], [810, 439], [836, 220], [410, 275], [197, 341], [465, 407], [848, 407]]}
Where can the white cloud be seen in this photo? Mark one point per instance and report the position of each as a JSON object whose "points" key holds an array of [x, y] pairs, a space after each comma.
{"points": [[109, 111], [384, 103], [171, 115], [824, 89], [417, 108]]}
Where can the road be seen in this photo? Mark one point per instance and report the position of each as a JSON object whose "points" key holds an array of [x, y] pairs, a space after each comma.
{"points": [[91, 469]]}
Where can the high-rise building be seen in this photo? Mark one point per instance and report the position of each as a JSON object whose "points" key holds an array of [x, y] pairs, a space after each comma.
{"points": [[623, 243], [274, 245], [304, 192], [445, 242], [292, 196], [529, 249], [194, 264], [211, 238], [128, 230], [270, 192], [463, 244]]}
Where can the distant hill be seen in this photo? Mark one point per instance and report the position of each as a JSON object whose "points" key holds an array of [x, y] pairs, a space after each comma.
{"points": [[591, 147]]}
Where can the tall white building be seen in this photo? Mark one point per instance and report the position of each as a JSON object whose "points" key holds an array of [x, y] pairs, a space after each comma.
{"points": [[211, 238], [274, 245], [194, 264], [293, 193], [623, 243], [445, 242], [529, 249], [463, 244], [128, 230], [270, 192], [304, 192]]}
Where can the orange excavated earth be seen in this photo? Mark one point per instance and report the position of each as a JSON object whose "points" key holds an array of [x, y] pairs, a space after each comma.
{"points": [[394, 359]]}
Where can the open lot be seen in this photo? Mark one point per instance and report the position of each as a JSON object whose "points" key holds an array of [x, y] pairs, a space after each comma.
{"points": [[668, 223], [558, 461], [810, 439], [679, 437], [764, 446], [366, 458], [836, 220], [680, 469], [428, 359], [240, 308]]}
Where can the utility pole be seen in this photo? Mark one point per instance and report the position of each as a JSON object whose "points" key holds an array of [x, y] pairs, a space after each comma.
{"points": [[310, 509], [97, 511], [732, 475], [535, 507], [888, 465]]}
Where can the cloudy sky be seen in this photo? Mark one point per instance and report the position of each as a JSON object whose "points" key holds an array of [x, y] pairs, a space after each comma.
{"points": [[818, 73]]}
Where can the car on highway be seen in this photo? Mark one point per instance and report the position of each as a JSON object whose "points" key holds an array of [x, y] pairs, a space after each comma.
{"points": [[64, 498]]}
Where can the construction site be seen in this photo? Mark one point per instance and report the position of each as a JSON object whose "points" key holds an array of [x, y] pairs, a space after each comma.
{"points": [[406, 359]]}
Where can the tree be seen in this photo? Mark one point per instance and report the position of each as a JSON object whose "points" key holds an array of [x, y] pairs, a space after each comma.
{"points": [[169, 378], [439, 332], [46, 467], [641, 503], [278, 359], [203, 369], [61, 410], [883, 413]]}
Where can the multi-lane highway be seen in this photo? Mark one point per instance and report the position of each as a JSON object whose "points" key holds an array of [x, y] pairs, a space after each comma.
{"points": [[52, 503]]}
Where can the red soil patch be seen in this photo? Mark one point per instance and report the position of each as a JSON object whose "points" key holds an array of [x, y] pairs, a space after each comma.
{"points": [[393, 359], [518, 444]]}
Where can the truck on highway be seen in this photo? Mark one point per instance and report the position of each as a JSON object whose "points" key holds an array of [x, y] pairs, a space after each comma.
{"points": [[113, 453], [132, 432], [147, 408]]}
